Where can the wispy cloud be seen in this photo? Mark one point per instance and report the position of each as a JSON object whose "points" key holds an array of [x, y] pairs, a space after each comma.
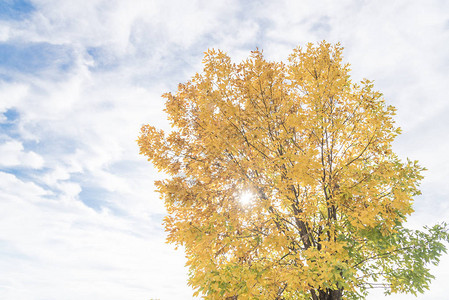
{"points": [[79, 217], [13, 155]]}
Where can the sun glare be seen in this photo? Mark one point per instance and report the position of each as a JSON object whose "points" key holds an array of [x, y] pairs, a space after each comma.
{"points": [[246, 197]]}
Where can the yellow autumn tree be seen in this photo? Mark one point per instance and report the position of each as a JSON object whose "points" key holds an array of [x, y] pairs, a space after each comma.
{"points": [[327, 196]]}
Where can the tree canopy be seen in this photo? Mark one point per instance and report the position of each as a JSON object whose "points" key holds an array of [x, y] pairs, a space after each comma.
{"points": [[311, 152]]}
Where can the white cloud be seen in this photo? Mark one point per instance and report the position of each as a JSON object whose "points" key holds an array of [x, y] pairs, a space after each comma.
{"points": [[12, 94], [60, 248], [11, 186], [12, 154], [4, 32], [78, 126]]}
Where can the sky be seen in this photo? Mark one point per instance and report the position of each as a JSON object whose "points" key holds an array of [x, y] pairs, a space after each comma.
{"points": [[79, 218]]}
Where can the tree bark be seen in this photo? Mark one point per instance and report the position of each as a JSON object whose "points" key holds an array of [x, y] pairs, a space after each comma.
{"points": [[330, 294]]}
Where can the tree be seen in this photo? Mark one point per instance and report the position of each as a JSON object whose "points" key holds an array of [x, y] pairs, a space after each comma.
{"points": [[329, 196]]}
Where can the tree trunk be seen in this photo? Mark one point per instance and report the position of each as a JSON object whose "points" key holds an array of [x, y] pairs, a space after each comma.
{"points": [[330, 294]]}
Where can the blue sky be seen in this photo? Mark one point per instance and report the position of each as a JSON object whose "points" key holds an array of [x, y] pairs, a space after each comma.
{"points": [[78, 215]]}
